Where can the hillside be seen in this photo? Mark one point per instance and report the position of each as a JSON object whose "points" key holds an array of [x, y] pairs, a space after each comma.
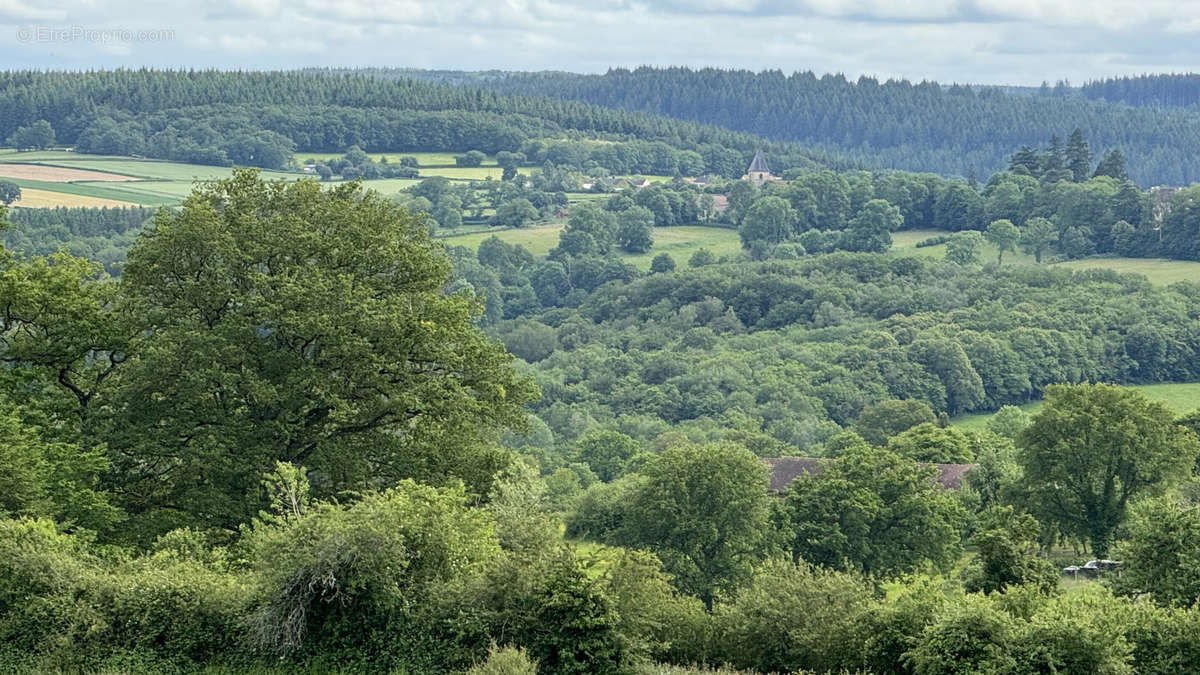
{"points": [[921, 126]]}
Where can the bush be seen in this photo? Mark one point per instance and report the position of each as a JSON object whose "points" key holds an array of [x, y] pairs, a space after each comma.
{"points": [[505, 661], [792, 617], [934, 240]]}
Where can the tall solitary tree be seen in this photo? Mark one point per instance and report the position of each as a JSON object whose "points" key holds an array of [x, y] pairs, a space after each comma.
{"points": [[1004, 236], [1038, 237], [279, 321], [1093, 448], [703, 510], [1079, 156]]}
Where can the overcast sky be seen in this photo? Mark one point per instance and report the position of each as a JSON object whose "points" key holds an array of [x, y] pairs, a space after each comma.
{"points": [[975, 41]]}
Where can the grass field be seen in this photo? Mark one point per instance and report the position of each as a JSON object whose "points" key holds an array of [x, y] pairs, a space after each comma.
{"points": [[679, 241], [106, 190], [1157, 270], [1182, 397], [682, 241], [537, 240], [465, 173]]}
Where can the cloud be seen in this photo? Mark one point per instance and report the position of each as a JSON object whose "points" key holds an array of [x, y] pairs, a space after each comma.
{"points": [[979, 41]]}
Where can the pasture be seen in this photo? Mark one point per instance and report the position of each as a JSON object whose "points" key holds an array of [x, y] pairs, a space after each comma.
{"points": [[1157, 270], [1182, 397], [680, 241]]}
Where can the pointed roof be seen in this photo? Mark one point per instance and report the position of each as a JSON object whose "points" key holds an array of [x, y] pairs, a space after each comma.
{"points": [[759, 163]]}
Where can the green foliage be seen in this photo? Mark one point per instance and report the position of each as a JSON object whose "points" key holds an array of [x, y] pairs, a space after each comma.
{"points": [[928, 442], [792, 617], [1003, 235], [971, 636], [1039, 234], [635, 230], [606, 452], [36, 136], [662, 263], [515, 213], [551, 607], [769, 220], [243, 364], [963, 248], [703, 510], [878, 422], [1009, 421], [656, 622], [1094, 447], [505, 661], [1161, 557], [701, 257], [340, 578], [48, 478], [873, 511], [1007, 542], [9, 192]]}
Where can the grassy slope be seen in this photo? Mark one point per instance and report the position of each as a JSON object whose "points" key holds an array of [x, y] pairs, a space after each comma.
{"points": [[1181, 397]]}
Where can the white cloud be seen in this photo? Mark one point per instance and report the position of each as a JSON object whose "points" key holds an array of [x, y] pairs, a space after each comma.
{"points": [[984, 41]]}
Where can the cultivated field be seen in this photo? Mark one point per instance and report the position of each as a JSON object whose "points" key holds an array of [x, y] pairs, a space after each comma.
{"points": [[57, 174], [34, 198]]}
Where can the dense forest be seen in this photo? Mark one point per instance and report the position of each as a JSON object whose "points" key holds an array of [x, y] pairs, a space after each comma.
{"points": [[1161, 91], [259, 118], [281, 442], [896, 124]]}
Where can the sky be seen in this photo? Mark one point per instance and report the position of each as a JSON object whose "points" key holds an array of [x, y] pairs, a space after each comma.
{"points": [[1019, 42]]}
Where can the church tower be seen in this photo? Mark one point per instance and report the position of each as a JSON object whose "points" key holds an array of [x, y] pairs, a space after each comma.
{"points": [[758, 173]]}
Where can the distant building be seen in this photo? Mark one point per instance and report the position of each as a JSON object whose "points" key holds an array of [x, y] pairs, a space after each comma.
{"points": [[759, 172]]}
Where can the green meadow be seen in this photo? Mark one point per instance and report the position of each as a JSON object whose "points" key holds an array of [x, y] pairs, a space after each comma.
{"points": [[680, 241], [1182, 397], [1157, 270]]}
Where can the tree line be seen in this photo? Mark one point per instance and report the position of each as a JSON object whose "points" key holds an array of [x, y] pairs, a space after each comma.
{"points": [[327, 112]]}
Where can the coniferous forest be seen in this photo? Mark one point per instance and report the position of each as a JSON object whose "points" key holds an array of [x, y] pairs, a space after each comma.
{"points": [[918, 126]]}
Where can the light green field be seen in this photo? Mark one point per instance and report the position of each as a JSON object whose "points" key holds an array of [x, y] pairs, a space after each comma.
{"points": [[127, 192], [1182, 397], [537, 240], [679, 241], [905, 243], [1157, 270], [465, 172]]}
